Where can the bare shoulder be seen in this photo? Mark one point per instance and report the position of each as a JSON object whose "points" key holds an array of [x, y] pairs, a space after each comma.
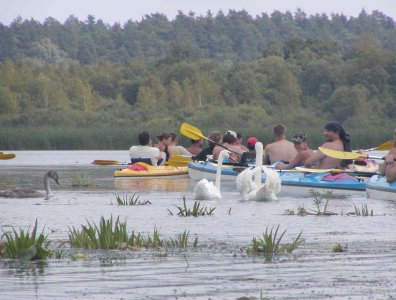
{"points": [[333, 146]]}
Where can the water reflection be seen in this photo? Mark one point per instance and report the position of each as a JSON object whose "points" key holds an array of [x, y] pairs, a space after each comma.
{"points": [[152, 184], [24, 267]]}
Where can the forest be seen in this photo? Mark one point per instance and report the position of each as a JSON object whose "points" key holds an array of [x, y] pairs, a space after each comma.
{"points": [[91, 85]]}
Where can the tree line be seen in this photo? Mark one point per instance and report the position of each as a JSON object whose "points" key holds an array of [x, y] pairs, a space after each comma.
{"points": [[217, 72]]}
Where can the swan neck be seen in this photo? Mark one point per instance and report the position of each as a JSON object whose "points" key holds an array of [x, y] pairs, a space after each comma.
{"points": [[259, 163], [218, 170], [47, 185]]}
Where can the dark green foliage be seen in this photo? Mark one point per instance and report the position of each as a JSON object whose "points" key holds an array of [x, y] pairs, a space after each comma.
{"points": [[24, 245], [88, 85]]}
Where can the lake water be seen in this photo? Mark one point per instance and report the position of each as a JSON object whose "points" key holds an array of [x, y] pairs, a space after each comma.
{"points": [[218, 268]]}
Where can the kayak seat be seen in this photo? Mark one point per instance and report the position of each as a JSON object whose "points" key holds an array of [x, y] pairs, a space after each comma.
{"points": [[141, 159]]}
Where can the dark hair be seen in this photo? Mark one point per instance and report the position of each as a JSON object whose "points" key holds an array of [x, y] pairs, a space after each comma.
{"points": [[239, 135], [216, 137], [278, 130], [173, 136], [229, 138], [194, 141], [336, 127], [143, 138], [251, 147], [164, 136], [298, 138]]}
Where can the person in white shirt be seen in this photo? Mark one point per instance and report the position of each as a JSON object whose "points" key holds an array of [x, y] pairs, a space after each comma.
{"points": [[145, 149]]}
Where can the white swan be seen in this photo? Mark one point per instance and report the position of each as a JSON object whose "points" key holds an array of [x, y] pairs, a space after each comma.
{"points": [[254, 190], [206, 190], [32, 193]]}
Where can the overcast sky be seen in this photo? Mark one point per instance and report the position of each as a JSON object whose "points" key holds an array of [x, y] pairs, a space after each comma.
{"points": [[111, 11]]}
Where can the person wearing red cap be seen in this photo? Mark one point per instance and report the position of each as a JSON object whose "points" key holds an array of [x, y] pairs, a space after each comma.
{"points": [[250, 155]]}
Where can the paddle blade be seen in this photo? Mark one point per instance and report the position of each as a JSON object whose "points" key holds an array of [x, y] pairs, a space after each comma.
{"points": [[310, 170], [105, 162], [179, 161], [340, 154], [7, 156], [191, 132], [385, 146]]}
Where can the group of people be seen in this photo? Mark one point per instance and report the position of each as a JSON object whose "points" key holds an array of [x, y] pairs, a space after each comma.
{"points": [[282, 153]]}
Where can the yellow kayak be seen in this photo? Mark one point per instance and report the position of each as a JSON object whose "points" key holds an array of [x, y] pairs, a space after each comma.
{"points": [[144, 170]]}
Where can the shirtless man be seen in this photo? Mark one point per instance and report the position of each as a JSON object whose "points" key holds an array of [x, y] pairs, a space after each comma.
{"points": [[388, 169], [281, 149], [300, 141], [336, 139]]}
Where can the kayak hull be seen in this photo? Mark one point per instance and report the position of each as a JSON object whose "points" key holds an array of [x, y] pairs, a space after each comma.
{"points": [[292, 182], [379, 188], [156, 171]]}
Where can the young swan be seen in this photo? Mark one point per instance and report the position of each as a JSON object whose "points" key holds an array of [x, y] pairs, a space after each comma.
{"points": [[253, 189], [206, 190], [32, 193]]}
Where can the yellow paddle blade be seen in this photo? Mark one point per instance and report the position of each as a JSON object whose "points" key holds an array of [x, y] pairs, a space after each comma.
{"points": [[102, 162], [191, 132], [309, 170], [340, 154], [385, 146], [7, 156], [179, 160]]}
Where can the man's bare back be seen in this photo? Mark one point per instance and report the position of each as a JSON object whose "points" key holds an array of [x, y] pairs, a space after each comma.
{"points": [[279, 150]]}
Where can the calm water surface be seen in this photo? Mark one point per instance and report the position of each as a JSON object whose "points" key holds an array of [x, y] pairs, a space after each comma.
{"points": [[218, 268]]}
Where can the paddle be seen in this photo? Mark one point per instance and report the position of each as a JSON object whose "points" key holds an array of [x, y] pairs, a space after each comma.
{"points": [[350, 172], [7, 155], [102, 162], [346, 155], [179, 160], [195, 133], [383, 147]]}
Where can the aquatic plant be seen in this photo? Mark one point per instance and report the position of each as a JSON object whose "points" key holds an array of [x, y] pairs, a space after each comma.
{"points": [[364, 211], [110, 234], [24, 245], [131, 200], [339, 248], [196, 211], [318, 199], [181, 240], [82, 181], [270, 244]]}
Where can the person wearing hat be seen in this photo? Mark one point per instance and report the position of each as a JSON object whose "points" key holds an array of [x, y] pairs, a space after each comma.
{"points": [[388, 169], [336, 139], [250, 155], [300, 141], [229, 142], [281, 149]]}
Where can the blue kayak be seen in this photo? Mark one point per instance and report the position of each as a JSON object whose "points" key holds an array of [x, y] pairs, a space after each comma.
{"points": [[292, 181], [378, 188]]}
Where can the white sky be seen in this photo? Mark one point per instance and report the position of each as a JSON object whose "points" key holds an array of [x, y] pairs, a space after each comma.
{"points": [[112, 11]]}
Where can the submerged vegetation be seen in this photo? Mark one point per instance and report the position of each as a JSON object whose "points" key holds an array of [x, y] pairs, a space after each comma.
{"points": [[320, 203], [270, 244], [196, 211], [82, 181], [130, 200]]}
